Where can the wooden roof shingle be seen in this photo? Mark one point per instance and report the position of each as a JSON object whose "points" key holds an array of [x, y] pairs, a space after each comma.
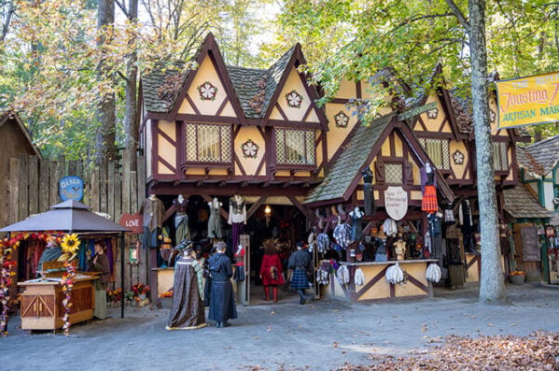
{"points": [[520, 203], [541, 157], [350, 162]]}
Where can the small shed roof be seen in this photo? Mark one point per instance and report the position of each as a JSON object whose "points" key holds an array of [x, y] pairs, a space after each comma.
{"points": [[541, 157], [68, 216], [520, 203]]}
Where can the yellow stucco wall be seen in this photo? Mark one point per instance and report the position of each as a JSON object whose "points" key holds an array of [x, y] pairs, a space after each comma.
{"points": [[250, 165], [347, 90], [166, 149], [294, 82], [206, 72], [336, 135], [459, 170], [434, 124]]}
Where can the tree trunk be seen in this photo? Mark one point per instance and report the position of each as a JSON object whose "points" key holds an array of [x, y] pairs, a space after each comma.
{"points": [[131, 118], [492, 286], [105, 145]]}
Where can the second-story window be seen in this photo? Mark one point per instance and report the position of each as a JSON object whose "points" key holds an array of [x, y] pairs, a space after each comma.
{"points": [[438, 152], [295, 147], [500, 158], [208, 143]]}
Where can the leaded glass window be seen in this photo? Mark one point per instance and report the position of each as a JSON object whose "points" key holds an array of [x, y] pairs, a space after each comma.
{"points": [[208, 143], [500, 158], [438, 152], [295, 147]]}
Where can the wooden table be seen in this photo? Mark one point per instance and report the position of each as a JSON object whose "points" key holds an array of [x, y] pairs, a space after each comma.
{"points": [[41, 303]]}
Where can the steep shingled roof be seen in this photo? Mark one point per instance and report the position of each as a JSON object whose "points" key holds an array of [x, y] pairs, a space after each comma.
{"points": [[248, 84], [350, 162], [541, 157], [152, 84], [520, 203], [254, 87]]}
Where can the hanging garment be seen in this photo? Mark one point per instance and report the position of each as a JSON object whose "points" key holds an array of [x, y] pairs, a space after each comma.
{"points": [[342, 234], [323, 242], [356, 226], [343, 275], [359, 277], [390, 228], [214, 221]]}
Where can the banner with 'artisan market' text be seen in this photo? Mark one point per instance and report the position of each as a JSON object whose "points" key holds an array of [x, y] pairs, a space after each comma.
{"points": [[528, 101]]}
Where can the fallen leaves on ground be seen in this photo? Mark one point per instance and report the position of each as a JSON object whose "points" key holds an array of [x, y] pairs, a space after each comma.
{"points": [[539, 351]]}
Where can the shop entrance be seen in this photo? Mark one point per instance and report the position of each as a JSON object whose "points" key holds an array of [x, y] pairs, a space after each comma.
{"points": [[281, 226]]}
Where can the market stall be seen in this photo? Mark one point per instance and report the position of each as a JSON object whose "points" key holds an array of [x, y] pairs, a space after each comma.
{"points": [[370, 281], [53, 301]]}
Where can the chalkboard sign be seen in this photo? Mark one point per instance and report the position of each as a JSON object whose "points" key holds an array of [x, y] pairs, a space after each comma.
{"points": [[531, 250]]}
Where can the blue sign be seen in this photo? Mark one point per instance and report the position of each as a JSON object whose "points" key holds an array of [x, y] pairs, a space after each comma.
{"points": [[70, 188]]}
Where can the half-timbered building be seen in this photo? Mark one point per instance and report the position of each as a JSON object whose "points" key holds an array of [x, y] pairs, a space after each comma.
{"points": [[211, 131]]}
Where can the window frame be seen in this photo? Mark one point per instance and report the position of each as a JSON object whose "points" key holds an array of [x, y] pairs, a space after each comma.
{"points": [[497, 151], [222, 150], [294, 166], [447, 158]]}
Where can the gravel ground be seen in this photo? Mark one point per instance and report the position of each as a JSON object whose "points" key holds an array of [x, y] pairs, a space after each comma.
{"points": [[321, 335]]}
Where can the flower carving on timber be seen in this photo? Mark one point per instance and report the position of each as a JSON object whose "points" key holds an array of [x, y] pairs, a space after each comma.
{"points": [[294, 99], [342, 120], [250, 149], [207, 91], [432, 113], [458, 157]]}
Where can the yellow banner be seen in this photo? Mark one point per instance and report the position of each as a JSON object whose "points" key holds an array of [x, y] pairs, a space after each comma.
{"points": [[528, 101]]}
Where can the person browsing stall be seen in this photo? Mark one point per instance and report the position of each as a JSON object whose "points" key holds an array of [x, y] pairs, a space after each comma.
{"points": [[300, 263]]}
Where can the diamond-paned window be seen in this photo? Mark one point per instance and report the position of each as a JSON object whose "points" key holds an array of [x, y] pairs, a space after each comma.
{"points": [[295, 147], [393, 173], [500, 157], [208, 143], [438, 152]]}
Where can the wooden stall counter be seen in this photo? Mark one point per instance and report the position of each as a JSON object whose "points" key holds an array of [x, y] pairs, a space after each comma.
{"points": [[375, 286], [41, 302]]}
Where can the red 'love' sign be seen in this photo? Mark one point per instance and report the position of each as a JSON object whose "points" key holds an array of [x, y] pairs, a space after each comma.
{"points": [[132, 221]]}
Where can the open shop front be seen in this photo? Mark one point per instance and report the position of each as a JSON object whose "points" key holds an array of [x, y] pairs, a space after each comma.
{"points": [[246, 228], [52, 250]]}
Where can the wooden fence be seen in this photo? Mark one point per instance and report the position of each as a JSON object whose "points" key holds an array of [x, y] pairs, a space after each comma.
{"points": [[109, 187]]}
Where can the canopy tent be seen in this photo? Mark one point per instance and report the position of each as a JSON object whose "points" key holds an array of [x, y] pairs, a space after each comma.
{"points": [[68, 216], [72, 216]]}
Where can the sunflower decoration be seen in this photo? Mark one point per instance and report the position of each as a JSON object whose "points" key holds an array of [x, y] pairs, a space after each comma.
{"points": [[70, 243]]}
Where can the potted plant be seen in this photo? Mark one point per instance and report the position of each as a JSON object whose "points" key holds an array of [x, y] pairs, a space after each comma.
{"points": [[517, 277]]}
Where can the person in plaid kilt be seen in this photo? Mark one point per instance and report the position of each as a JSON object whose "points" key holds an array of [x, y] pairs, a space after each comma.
{"points": [[300, 263]]}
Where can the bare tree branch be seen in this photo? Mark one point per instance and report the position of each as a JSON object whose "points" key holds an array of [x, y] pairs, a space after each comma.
{"points": [[7, 20], [122, 7], [459, 15], [421, 17]]}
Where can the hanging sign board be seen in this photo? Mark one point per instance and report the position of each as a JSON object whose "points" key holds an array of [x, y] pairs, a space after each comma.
{"points": [[132, 221], [531, 249], [528, 101], [70, 188], [417, 111], [396, 202]]}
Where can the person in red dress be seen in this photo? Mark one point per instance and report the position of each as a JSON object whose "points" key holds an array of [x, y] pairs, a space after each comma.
{"points": [[271, 271]]}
